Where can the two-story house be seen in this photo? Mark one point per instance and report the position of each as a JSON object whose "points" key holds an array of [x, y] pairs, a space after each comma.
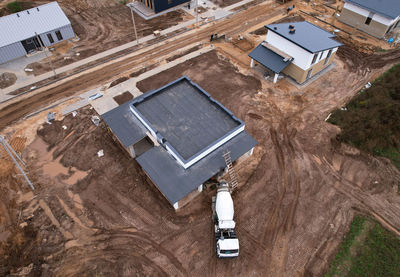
{"points": [[297, 49]]}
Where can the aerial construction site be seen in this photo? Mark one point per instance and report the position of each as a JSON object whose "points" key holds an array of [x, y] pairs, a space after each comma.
{"points": [[155, 140]]}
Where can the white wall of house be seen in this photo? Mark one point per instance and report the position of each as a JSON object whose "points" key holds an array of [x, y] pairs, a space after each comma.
{"points": [[67, 33], [16, 50], [364, 12], [11, 51], [302, 58]]}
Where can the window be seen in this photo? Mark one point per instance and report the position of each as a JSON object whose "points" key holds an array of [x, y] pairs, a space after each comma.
{"points": [[314, 58], [50, 37], [320, 56], [369, 18], [328, 56], [59, 36]]}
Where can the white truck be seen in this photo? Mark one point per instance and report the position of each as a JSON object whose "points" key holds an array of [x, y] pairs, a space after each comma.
{"points": [[224, 225]]}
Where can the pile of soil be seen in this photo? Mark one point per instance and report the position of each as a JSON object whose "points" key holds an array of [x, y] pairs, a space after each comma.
{"points": [[118, 81], [184, 53], [7, 79], [123, 97]]}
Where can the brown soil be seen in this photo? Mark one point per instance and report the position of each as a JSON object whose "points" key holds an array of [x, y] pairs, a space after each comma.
{"points": [[21, 106], [184, 53], [245, 6], [7, 79], [143, 70], [243, 44], [297, 194], [102, 25], [123, 97], [118, 81]]}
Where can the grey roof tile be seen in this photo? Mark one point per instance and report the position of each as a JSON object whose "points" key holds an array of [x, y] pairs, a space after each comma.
{"points": [[20, 26], [308, 36]]}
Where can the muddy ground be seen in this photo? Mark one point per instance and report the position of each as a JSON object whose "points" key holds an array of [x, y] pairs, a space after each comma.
{"points": [[7, 79], [101, 25], [297, 195]]}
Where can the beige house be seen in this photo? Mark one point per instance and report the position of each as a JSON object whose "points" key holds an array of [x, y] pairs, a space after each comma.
{"points": [[375, 17], [297, 49]]}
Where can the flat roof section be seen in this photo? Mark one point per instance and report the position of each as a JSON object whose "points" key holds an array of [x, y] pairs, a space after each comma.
{"points": [[186, 117], [269, 58], [124, 124], [308, 36], [175, 182]]}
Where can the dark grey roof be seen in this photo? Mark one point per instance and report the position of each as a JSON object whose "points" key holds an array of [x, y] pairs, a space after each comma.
{"points": [[186, 116], [175, 182], [125, 126], [307, 36], [269, 59], [389, 8]]}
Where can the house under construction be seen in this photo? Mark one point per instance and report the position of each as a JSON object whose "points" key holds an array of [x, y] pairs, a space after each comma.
{"points": [[179, 134]]}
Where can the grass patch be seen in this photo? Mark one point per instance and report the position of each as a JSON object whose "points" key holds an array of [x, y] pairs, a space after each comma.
{"points": [[367, 251], [14, 7], [341, 262], [371, 119]]}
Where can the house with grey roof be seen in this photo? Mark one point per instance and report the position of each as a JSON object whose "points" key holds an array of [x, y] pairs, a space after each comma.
{"points": [[28, 30], [178, 135], [297, 49], [375, 17]]}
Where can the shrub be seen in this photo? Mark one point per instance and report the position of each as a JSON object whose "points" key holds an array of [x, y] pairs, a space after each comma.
{"points": [[14, 7]]}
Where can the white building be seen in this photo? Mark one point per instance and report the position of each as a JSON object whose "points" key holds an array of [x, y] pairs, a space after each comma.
{"points": [[299, 50], [28, 30]]}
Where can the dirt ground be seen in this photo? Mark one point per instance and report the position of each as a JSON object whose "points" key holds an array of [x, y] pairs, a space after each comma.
{"points": [[7, 79], [298, 193], [123, 97], [101, 25]]}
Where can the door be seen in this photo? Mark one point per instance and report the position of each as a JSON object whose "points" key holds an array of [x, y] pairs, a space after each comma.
{"points": [[30, 44], [309, 73]]}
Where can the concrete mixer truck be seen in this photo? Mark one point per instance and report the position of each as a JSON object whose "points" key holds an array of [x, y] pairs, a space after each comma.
{"points": [[227, 244]]}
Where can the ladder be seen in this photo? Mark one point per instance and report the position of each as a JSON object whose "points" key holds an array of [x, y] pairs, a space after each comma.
{"points": [[231, 171]]}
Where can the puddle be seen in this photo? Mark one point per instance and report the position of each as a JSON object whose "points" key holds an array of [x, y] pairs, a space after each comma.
{"points": [[53, 168], [75, 177]]}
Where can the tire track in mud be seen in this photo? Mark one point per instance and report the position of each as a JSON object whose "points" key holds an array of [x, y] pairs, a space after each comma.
{"points": [[117, 244], [354, 192], [21, 107], [280, 237]]}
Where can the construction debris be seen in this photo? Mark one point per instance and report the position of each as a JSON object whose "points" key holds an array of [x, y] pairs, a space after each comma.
{"points": [[50, 117], [95, 120]]}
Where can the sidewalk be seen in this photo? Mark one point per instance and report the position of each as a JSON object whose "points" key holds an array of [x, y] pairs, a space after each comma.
{"points": [[212, 12]]}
